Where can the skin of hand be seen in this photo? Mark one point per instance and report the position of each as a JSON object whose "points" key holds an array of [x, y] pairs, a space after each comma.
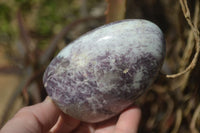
{"points": [[45, 117]]}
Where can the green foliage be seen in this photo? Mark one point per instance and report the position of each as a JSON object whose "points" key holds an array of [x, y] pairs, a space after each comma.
{"points": [[41, 18], [5, 18], [53, 13], [4, 12], [24, 5]]}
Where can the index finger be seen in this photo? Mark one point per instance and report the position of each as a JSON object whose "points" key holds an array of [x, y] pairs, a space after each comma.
{"points": [[128, 121]]}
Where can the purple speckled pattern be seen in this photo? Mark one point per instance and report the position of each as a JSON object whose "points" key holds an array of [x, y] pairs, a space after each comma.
{"points": [[104, 71]]}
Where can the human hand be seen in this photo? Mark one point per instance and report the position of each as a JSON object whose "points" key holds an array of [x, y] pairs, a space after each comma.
{"points": [[45, 117]]}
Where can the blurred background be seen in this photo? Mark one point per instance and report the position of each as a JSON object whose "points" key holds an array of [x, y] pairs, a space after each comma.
{"points": [[32, 32]]}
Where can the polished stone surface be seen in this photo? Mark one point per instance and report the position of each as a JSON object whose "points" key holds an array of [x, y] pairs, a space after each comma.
{"points": [[104, 71]]}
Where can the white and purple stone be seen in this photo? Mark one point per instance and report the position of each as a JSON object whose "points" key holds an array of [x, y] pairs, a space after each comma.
{"points": [[104, 71]]}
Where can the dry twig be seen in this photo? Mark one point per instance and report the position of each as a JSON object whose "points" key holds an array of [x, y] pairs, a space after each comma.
{"points": [[116, 10], [194, 119], [26, 40], [178, 121], [195, 30]]}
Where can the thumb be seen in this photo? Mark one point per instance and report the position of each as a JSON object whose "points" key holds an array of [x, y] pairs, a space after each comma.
{"points": [[38, 118]]}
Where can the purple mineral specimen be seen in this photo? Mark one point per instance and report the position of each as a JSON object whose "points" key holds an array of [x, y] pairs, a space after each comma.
{"points": [[104, 71]]}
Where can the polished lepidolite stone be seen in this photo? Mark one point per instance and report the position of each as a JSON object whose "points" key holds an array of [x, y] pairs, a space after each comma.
{"points": [[104, 71]]}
